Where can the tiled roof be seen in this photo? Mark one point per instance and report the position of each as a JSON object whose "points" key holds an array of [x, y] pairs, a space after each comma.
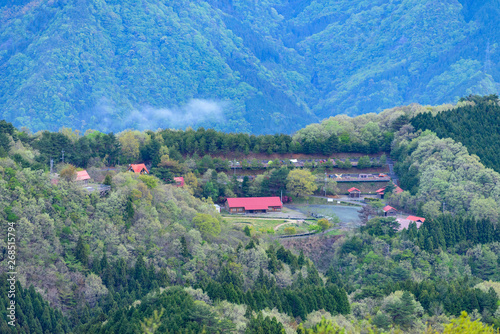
{"points": [[254, 203], [415, 218], [137, 168], [388, 208], [353, 189], [82, 176]]}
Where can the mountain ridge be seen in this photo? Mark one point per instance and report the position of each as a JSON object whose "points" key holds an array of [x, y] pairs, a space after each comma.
{"points": [[272, 66]]}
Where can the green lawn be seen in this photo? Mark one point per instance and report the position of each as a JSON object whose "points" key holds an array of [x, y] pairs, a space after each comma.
{"points": [[266, 225]]}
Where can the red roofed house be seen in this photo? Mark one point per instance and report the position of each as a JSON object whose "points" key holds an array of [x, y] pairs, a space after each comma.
{"points": [[179, 181], [381, 191], [416, 219], [389, 211], [405, 223], [138, 168], [354, 193], [253, 204], [82, 177]]}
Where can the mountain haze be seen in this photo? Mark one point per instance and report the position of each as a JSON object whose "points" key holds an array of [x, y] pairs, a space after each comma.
{"points": [[253, 66]]}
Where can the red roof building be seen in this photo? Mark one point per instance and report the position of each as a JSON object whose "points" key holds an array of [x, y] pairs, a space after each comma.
{"points": [[354, 192], [416, 219], [381, 191], [82, 176], [179, 181], [253, 204], [138, 168], [405, 223], [389, 210]]}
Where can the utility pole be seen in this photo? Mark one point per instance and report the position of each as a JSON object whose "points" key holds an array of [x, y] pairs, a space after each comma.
{"points": [[62, 158], [51, 165], [325, 184], [443, 207]]}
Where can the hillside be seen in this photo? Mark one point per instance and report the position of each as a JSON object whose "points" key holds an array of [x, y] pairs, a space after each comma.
{"points": [[260, 67], [475, 125], [148, 256]]}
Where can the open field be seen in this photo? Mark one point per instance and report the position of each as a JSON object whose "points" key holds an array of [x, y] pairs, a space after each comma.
{"points": [[317, 200], [271, 226], [348, 214]]}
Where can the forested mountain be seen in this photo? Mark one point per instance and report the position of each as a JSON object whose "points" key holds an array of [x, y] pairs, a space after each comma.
{"points": [[476, 125], [262, 67], [148, 256]]}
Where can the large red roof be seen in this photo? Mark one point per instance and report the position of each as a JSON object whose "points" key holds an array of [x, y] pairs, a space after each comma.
{"points": [[353, 189], [82, 176], [254, 203], [137, 168]]}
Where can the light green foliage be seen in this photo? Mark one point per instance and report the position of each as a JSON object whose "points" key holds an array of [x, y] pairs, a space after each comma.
{"points": [[441, 171], [149, 180], [206, 224], [290, 230], [324, 224], [323, 327], [301, 182], [464, 325]]}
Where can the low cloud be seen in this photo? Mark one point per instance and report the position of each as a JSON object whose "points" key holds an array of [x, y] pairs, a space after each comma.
{"points": [[194, 113]]}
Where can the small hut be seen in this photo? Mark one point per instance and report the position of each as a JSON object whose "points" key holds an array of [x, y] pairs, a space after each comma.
{"points": [[389, 211], [354, 193]]}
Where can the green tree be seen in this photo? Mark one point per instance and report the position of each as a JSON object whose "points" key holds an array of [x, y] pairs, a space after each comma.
{"points": [[301, 182], [324, 224], [82, 252], [465, 325], [206, 224]]}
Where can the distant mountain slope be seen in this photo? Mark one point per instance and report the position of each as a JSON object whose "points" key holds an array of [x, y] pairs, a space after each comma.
{"points": [[262, 67], [475, 125]]}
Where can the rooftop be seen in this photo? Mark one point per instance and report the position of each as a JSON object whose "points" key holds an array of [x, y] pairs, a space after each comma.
{"points": [[254, 203]]}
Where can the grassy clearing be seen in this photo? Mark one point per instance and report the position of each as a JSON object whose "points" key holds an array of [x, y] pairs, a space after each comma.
{"points": [[299, 228], [266, 225], [319, 201], [334, 232]]}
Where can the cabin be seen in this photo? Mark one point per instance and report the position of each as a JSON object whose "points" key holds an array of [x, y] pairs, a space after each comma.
{"points": [[138, 168], [217, 207], [82, 177], [254, 204], [389, 211], [354, 193], [179, 181]]}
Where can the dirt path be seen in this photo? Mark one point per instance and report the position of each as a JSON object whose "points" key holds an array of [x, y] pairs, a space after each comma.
{"points": [[288, 222]]}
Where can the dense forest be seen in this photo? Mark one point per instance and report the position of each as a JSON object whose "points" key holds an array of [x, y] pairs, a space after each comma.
{"points": [[475, 126], [258, 67], [149, 257]]}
